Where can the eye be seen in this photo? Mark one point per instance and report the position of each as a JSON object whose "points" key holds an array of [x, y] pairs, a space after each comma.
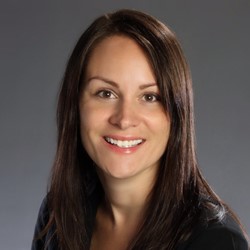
{"points": [[151, 97], [106, 94]]}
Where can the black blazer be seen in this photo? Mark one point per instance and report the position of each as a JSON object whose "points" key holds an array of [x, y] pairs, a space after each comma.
{"points": [[224, 235]]}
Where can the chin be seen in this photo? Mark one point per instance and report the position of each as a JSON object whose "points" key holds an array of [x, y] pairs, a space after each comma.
{"points": [[118, 174]]}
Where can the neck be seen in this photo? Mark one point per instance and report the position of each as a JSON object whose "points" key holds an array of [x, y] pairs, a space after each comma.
{"points": [[125, 199]]}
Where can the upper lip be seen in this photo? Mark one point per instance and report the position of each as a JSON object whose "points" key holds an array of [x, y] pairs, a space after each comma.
{"points": [[124, 138]]}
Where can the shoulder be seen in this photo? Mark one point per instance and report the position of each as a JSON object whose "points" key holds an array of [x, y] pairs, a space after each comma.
{"points": [[39, 241], [43, 213], [224, 235], [49, 237]]}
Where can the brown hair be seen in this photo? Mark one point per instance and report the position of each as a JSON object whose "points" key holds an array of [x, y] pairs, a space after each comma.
{"points": [[180, 194]]}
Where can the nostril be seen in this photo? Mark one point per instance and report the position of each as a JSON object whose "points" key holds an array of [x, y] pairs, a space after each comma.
{"points": [[125, 117]]}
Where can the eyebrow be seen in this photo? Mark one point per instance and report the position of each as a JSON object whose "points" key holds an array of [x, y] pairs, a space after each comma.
{"points": [[104, 80], [114, 84]]}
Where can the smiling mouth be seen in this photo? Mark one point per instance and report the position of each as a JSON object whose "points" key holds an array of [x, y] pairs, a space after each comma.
{"points": [[123, 143]]}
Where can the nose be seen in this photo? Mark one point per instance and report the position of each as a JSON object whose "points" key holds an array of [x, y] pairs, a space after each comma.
{"points": [[125, 115]]}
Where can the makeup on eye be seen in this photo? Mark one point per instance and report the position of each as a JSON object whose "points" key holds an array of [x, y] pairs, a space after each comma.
{"points": [[151, 97], [104, 88], [106, 94], [111, 94]]}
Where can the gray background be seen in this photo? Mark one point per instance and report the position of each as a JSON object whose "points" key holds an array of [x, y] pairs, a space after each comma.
{"points": [[36, 40]]}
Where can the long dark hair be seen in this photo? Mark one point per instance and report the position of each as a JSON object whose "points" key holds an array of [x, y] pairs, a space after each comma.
{"points": [[180, 195]]}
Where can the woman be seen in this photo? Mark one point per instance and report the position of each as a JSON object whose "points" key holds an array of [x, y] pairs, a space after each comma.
{"points": [[125, 174]]}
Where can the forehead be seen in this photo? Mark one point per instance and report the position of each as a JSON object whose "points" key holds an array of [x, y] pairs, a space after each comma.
{"points": [[118, 53], [116, 40], [113, 46]]}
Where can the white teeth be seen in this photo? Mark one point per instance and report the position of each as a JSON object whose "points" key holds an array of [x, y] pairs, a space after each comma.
{"points": [[123, 144]]}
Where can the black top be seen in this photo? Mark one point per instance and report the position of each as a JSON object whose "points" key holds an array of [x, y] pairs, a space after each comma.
{"points": [[224, 235]]}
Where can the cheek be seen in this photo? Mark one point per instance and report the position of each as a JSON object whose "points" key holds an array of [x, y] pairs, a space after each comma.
{"points": [[84, 120], [87, 115], [91, 120], [166, 132], [159, 123], [85, 125], [161, 129]]}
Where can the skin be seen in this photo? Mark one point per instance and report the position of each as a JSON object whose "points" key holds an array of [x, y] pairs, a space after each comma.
{"points": [[121, 100]]}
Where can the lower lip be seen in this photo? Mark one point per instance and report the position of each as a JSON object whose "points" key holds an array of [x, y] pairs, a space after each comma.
{"points": [[120, 150]]}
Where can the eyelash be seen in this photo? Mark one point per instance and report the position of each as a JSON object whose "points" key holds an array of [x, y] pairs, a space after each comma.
{"points": [[105, 93], [108, 94], [155, 97]]}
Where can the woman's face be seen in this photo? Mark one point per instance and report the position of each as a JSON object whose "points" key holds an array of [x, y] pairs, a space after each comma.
{"points": [[124, 127]]}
